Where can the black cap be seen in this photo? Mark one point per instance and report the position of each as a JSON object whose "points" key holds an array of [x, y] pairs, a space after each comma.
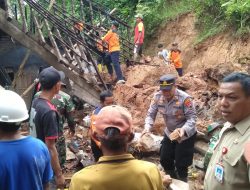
{"points": [[49, 77], [167, 81]]}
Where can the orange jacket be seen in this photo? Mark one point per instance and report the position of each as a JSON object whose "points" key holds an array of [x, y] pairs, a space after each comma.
{"points": [[175, 57], [112, 39]]}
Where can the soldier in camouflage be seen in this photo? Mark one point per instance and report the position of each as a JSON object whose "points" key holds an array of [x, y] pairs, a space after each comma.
{"points": [[65, 107], [177, 109]]}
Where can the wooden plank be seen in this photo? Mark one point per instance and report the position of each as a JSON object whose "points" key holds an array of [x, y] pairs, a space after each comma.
{"points": [[88, 93], [20, 69]]}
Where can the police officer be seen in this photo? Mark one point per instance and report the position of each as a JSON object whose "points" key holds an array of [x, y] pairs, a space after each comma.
{"points": [[177, 109]]}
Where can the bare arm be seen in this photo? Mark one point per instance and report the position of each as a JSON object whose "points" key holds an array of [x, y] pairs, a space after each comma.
{"points": [[55, 162], [46, 186]]}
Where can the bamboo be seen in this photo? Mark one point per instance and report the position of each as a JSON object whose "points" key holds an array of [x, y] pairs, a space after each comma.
{"points": [[20, 2], [20, 69]]}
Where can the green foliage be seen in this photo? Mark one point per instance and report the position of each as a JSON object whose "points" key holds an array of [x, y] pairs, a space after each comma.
{"points": [[238, 14], [214, 15], [158, 11]]}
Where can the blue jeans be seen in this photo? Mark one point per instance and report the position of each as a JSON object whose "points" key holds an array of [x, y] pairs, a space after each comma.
{"points": [[115, 60]]}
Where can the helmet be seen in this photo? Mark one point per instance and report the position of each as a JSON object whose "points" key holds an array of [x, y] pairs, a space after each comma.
{"points": [[12, 107]]}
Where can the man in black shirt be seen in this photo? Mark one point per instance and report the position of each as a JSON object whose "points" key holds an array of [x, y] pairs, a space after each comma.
{"points": [[44, 119]]}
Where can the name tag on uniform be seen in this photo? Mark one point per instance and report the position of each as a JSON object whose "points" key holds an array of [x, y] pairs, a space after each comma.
{"points": [[219, 172]]}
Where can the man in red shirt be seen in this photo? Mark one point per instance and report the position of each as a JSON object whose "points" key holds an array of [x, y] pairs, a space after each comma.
{"points": [[139, 36]]}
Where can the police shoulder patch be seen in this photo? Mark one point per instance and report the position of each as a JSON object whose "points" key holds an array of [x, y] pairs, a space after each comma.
{"points": [[187, 102]]}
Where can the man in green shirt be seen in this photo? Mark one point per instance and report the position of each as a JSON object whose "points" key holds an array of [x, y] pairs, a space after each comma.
{"points": [[228, 168]]}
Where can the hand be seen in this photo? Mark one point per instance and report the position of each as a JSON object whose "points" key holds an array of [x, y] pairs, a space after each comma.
{"points": [[71, 133], [60, 181], [167, 180], [181, 132]]}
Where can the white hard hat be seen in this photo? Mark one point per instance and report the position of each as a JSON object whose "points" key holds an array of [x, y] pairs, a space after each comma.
{"points": [[12, 107]]}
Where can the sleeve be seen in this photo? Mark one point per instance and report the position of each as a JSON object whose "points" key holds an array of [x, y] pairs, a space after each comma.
{"points": [[151, 114], [75, 183], [107, 36], [190, 114], [69, 105], [48, 172], [155, 173], [51, 125], [140, 27]]}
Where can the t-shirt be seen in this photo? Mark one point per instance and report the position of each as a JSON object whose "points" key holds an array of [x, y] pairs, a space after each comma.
{"points": [[165, 54], [139, 28], [44, 119], [120, 172], [25, 164]]}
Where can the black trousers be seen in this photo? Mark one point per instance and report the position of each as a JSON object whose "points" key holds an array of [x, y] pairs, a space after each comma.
{"points": [[177, 156], [97, 152]]}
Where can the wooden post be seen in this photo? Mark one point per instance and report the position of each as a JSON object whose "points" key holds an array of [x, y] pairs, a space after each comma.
{"points": [[20, 2], [20, 69], [91, 13], [52, 39]]}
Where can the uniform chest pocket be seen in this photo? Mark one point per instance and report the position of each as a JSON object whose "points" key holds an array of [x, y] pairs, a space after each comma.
{"points": [[161, 109], [178, 112], [235, 169]]}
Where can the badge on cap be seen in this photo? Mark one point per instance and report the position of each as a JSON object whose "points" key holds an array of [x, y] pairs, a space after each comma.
{"points": [[165, 83]]}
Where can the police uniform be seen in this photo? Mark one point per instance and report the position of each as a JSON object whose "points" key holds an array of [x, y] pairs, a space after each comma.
{"points": [[228, 168], [64, 106], [179, 112]]}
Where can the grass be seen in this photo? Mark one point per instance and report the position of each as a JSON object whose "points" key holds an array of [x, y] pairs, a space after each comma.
{"points": [[209, 31]]}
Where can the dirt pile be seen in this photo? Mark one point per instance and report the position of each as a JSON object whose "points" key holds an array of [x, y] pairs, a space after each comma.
{"points": [[141, 84], [221, 49]]}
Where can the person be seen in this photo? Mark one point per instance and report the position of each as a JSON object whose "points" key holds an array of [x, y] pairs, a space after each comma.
{"points": [[25, 161], [104, 58], [228, 169], [65, 107], [175, 57], [138, 36], [106, 99], [112, 39], [114, 131], [46, 118], [177, 109], [247, 152], [164, 54]]}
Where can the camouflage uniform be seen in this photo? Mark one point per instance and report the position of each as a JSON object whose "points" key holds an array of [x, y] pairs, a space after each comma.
{"points": [[64, 106]]}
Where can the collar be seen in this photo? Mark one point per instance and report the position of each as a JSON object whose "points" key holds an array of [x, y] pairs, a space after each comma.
{"points": [[116, 157], [243, 125]]}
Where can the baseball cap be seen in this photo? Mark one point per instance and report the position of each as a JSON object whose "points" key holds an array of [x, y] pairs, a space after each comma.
{"points": [[112, 116], [247, 151], [50, 76], [167, 82], [139, 16]]}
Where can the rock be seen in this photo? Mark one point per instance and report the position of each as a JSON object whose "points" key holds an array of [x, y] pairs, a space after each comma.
{"points": [[69, 155], [147, 143], [178, 185]]}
